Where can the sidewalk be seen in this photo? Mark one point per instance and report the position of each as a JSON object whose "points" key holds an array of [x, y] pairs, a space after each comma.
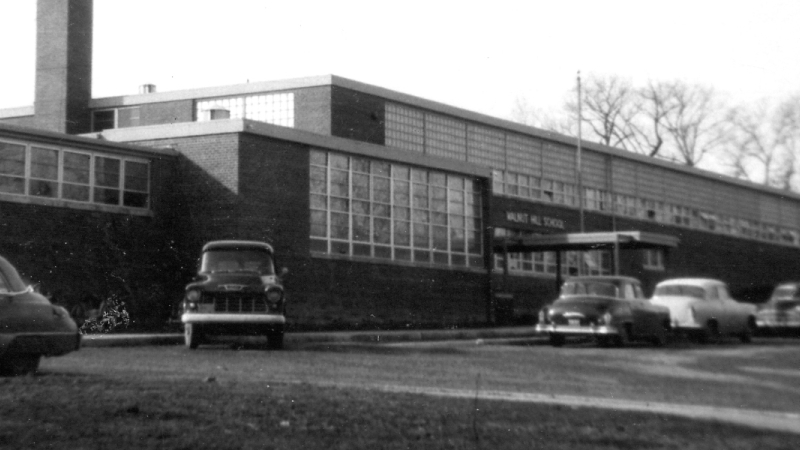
{"points": [[130, 340]]}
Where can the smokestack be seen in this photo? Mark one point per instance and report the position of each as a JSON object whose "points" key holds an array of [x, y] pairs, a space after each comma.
{"points": [[63, 65]]}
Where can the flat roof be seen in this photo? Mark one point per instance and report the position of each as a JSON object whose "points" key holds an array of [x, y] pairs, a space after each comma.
{"points": [[388, 94], [585, 241], [92, 142], [321, 141]]}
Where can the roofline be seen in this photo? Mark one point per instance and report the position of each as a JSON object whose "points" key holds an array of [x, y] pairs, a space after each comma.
{"points": [[388, 94], [228, 126], [15, 112], [91, 142]]}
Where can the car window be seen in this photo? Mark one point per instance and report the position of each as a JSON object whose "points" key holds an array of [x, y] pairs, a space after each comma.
{"points": [[590, 288], [629, 294], [3, 285], [638, 290], [680, 290], [723, 292], [713, 293], [237, 261]]}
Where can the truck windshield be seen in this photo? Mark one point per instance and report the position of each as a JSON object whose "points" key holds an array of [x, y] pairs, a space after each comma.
{"points": [[237, 260], [589, 288]]}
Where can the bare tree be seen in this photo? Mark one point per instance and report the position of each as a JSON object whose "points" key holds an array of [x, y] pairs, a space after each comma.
{"points": [[608, 107], [765, 142], [654, 105], [694, 124], [524, 113]]}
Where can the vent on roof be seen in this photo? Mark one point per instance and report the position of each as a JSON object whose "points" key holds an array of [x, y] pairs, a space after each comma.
{"points": [[147, 88], [214, 113]]}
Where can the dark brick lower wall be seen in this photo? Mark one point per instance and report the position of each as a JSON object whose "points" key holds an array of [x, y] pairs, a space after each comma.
{"points": [[76, 256], [334, 293]]}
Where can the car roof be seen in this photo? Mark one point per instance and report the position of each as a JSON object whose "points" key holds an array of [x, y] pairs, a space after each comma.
{"points": [[699, 282], [213, 245]]}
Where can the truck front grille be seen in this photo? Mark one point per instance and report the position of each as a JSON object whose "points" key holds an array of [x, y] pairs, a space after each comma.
{"points": [[239, 303]]}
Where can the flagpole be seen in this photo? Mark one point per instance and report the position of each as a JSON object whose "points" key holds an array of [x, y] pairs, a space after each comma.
{"points": [[578, 162]]}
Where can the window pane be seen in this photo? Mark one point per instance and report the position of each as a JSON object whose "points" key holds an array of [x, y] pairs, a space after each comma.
{"points": [[44, 163], [106, 172], [12, 159], [136, 176], [76, 168]]}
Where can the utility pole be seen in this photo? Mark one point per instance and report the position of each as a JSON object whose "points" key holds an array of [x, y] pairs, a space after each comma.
{"points": [[578, 162]]}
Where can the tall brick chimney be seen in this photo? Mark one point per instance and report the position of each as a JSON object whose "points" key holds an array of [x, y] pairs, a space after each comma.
{"points": [[63, 65]]}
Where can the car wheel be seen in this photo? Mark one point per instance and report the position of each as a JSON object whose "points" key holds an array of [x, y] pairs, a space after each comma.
{"points": [[603, 341], [659, 338], [557, 340], [710, 333], [275, 340], [747, 335], [624, 336], [192, 335], [19, 365]]}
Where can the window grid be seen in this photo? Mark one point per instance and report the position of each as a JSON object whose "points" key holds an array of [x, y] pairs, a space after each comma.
{"points": [[277, 109], [369, 208], [405, 128], [72, 175]]}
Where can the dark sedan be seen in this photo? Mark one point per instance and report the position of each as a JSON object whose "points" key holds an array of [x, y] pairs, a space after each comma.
{"points": [[612, 309], [30, 326]]}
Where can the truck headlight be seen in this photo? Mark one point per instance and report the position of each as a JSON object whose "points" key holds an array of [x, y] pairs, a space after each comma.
{"points": [[274, 295], [193, 295]]}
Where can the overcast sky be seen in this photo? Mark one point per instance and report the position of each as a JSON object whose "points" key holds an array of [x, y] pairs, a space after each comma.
{"points": [[480, 58]]}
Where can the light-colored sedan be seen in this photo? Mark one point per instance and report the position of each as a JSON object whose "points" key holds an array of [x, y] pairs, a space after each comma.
{"points": [[702, 307]]}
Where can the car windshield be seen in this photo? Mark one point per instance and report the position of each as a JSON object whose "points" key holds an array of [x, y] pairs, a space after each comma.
{"points": [[237, 260], [590, 287], [680, 290]]}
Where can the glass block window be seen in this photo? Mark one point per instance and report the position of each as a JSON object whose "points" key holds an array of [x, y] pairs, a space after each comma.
{"points": [[375, 209], [277, 109], [73, 175], [445, 137], [486, 146], [405, 128]]}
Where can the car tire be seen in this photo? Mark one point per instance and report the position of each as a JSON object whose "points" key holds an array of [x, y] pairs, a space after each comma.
{"points": [[17, 365], [275, 340], [710, 334], [747, 335], [557, 340], [192, 335], [624, 337]]}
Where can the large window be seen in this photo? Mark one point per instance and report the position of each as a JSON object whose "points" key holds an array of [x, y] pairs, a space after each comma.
{"points": [[376, 209], [74, 175]]}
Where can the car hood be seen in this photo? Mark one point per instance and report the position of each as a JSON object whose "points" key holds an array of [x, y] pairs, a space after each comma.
{"points": [[233, 282]]}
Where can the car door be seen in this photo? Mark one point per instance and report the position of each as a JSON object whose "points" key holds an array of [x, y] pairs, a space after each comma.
{"points": [[642, 315]]}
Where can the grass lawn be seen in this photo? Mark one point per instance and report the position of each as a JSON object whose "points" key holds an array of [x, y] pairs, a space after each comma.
{"points": [[79, 411]]}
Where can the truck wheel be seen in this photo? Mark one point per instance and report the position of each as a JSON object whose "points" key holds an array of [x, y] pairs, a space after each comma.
{"points": [[747, 335], [624, 336], [192, 335], [275, 340], [557, 340]]}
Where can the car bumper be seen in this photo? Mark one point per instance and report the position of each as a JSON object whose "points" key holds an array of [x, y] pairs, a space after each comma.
{"points": [[233, 319], [42, 343], [577, 330], [776, 323]]}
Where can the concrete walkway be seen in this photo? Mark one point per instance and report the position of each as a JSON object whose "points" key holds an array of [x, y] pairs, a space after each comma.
{"points": [[129, 340]]}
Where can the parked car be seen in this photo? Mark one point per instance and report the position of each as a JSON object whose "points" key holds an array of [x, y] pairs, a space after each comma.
{"points": [[612, 309], [782, 311], [30, 326], [236, 292], [702, 307]]}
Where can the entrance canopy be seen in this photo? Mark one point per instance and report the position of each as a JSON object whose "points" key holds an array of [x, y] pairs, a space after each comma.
{"points": [[623, 240], [614, 241]]}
